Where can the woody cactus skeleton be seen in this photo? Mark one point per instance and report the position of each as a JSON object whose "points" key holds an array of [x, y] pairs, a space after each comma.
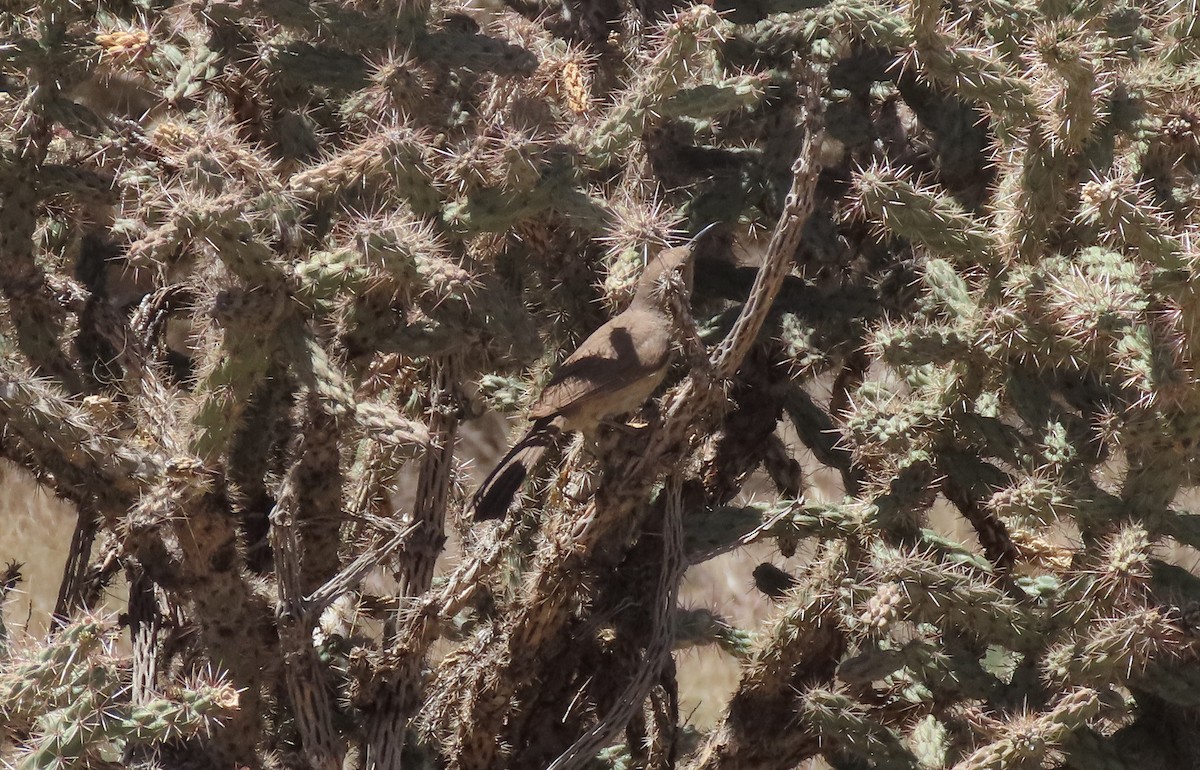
{"points": [[262, 263]]}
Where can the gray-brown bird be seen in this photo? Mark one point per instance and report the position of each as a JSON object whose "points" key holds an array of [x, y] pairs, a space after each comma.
{"points": [[612, 373]]}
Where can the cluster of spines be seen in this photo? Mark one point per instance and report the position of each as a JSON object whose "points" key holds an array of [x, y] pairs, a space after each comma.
{"points": [[68, 700]]}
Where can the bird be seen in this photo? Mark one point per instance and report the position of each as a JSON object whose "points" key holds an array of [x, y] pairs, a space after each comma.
{"points": [[611, 373]]}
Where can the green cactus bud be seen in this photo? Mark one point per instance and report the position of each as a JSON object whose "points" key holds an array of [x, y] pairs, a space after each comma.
{"points": [[929, 742], [1031, 741], [923, 216], [1112, 651], [838, 718]]}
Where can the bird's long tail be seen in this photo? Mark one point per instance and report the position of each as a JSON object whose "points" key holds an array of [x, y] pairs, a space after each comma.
{"points": [[496, 492]]}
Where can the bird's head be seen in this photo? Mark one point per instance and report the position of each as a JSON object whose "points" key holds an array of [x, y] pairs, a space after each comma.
{"points": [[676, 260], [668, 263]]}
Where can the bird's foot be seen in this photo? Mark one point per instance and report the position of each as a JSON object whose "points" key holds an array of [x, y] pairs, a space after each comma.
{"points": [[614, 436], [632, 427], [646, 418]]}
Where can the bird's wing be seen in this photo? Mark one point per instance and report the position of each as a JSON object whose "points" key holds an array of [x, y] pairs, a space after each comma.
{"points": [[627, 349]]}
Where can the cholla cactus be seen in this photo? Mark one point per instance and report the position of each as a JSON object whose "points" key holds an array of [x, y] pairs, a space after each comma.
{"points": [[67, 700], [261, 260]]}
